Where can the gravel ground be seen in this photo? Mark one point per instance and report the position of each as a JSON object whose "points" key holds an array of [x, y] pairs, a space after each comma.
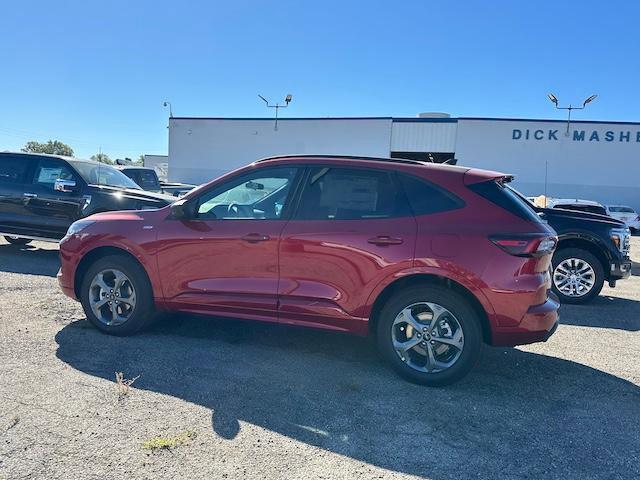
{"points": [[250, 400]]}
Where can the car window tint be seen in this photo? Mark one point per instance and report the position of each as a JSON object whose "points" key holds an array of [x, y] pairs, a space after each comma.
{"points": [[259, 195], [147, 179], [13, 169], [49, 171], [425, 198], [350, 194]]}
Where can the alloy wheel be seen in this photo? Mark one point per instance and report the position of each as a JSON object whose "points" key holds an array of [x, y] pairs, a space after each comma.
{"points": [[574, 277], [427, 337], [112, 297]]}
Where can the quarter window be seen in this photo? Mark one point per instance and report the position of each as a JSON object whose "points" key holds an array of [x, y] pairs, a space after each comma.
{"points": [[350, 194], [426, 198]]}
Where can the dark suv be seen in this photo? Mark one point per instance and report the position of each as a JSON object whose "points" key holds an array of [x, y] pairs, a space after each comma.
{"points": [[41, 195], [432, 260]]}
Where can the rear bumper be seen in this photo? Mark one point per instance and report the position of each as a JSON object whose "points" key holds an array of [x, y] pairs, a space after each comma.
{"points": [[537, 325]]}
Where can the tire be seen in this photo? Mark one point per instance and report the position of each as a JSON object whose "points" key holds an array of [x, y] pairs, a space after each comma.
{"points": [[137, 284], [390, 325], [17, 240], [565, 255]]}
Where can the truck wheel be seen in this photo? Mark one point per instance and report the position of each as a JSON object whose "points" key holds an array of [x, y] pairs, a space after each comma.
{"points": [[430, 335], [116, 296], [577, 275], [17, 240]]}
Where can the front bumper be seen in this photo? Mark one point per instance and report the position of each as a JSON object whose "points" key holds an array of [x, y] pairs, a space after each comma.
{"points": [[537, 325], [620, 270]]}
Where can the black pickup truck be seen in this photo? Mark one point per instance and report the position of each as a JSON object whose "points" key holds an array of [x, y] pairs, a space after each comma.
{"points": [[147, 179], [591, 249], [41, 195]]}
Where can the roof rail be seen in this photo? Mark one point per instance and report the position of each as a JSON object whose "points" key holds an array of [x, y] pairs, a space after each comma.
{"points": [[349, 157]]}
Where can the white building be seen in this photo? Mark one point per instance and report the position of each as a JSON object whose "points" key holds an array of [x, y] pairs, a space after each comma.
{"points": [[160, 163], [594, 160]]}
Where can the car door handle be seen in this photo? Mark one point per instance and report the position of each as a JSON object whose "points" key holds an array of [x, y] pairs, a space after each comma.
{"points": [[30, 195], [255, 237], [382, 240]]}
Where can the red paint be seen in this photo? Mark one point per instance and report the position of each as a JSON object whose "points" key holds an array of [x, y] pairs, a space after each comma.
{"points": [[329, 273]]}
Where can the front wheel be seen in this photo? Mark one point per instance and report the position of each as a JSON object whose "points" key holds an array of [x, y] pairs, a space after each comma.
{"points": [[17, 240], [578, 276], [116, 295], [430, 335]]}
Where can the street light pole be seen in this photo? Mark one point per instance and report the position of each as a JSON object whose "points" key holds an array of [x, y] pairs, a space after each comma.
{"points": [[554, 100], [277, 106], [168, 104]]}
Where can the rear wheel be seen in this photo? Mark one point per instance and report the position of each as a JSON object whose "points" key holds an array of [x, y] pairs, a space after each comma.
{"points": [[430, 335], [17, 240], [578, 276], [116, 295]]}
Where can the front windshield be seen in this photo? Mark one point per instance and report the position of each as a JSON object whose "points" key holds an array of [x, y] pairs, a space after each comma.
{"points": [[101, 174]]}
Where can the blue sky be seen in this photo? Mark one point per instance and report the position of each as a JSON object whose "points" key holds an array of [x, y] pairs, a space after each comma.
{"points": [[94, 74]]}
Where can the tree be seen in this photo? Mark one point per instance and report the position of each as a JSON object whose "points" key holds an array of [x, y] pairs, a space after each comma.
{"points": [[53, 147], [140, 160], [102, 157]]}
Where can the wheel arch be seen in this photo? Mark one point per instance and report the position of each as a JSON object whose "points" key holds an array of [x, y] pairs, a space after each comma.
{"points": [[590, 245], [427, 279], [93, 255]]}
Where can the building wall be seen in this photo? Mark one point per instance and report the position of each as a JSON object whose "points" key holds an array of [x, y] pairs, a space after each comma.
{"points": [[602, 166], [202, 149], [160, 163], [424, 135]]}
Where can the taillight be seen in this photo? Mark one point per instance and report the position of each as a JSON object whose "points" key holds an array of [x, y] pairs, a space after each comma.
{"points": [[525, 245]]}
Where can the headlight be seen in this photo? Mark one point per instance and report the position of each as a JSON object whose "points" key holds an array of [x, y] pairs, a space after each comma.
{"points": [[77, 227], [622, 238]]}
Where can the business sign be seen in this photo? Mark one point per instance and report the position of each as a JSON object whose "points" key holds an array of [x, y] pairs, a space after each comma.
{"points": [[576, 135]]}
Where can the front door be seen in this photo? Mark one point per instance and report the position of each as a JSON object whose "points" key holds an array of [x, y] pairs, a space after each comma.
{"points": [[52, 211], [224, 260], [352, 230]]}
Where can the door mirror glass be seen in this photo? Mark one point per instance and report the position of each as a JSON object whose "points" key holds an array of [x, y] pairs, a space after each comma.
{"points": [[63, 185]]}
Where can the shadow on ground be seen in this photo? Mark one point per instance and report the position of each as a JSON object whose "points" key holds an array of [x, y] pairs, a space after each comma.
{"points": [[604, 311], [517, 415], [29, 259]]}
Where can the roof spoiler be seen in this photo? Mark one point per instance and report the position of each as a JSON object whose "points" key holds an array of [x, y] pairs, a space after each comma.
{"points": [[476, 175]]}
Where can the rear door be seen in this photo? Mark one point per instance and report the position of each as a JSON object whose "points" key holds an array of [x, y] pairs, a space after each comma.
{"points": [[352, 229], [51, 211], [14, 171]]}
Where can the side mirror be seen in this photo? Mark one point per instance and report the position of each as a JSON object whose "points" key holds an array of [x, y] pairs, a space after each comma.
{"points": [[63, 185], [182, 210]]}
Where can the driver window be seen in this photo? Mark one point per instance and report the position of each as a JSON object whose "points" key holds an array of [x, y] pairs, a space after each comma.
{"points": [[259, 195], [49, 171]]}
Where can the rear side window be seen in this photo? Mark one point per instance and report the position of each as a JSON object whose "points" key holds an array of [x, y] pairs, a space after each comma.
{"points": [[504, 197], [351, 194], [13, 169], [426, 198]]}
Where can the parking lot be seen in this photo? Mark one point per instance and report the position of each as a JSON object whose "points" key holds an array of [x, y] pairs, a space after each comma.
{"points": [[254, 400]]}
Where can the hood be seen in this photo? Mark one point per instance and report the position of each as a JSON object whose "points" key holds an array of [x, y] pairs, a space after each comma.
{"points": [[158, 198], [584, 216]]}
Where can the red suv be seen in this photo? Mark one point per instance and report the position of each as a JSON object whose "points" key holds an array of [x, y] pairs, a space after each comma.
{"points": [[433, 260]]}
